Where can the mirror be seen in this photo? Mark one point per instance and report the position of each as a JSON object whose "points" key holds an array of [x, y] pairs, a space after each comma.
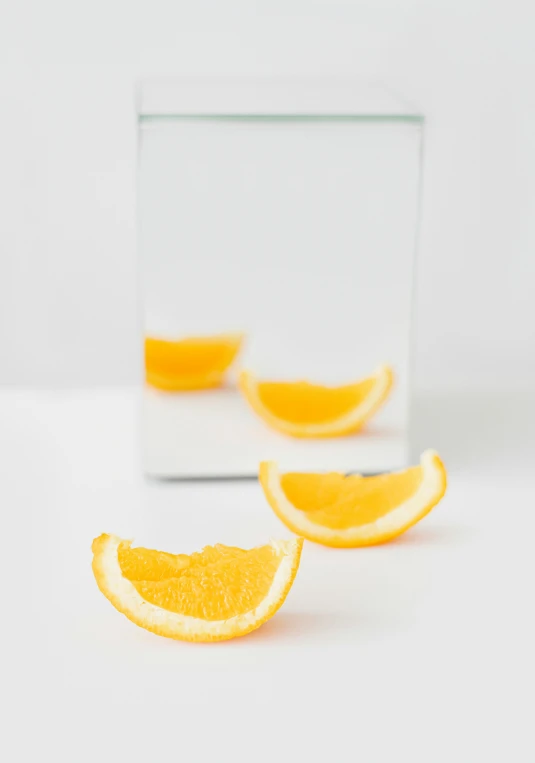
{"points": [[278, 226]]}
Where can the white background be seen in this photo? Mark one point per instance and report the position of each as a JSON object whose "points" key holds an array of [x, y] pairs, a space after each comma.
{"points": [[429, 655], [68, 311]]}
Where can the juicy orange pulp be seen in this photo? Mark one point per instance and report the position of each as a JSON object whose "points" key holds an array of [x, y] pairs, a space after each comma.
{"points": [[193, 585], [333, 500], [302, 402]]}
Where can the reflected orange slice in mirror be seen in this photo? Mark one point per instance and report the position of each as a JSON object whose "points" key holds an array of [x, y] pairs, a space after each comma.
{"points": [[301, 409], [192, 363]]}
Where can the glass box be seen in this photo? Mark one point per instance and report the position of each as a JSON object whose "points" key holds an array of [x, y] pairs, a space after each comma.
{"points": [[278, 226]]}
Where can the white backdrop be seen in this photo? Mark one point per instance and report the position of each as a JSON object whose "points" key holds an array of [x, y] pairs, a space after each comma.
{"points": [[68, 312]]}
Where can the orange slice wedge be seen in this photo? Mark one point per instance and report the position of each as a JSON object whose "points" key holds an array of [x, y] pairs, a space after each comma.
{"points": [[301, 409], [336, 510], [217, 594], [192, 363]]}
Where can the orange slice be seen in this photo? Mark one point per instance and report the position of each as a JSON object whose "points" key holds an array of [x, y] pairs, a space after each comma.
{"points": [[336, 510], [301, 409], [192, 363], [217, 594]]}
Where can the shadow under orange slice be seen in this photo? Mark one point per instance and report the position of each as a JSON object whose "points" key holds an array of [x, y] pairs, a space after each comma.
{"points": [[301, 409], [191, 363]]}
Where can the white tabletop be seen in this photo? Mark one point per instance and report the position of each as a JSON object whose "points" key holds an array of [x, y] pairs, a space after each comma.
{"points": [[420, 650]]}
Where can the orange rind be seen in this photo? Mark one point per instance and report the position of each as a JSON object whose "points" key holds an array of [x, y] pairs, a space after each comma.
{"points": [[349, 511], [217, 594], [301, 409]]}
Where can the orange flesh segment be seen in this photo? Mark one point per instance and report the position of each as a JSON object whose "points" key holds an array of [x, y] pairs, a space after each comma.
{"points": [[193, 357], [304, 403], [218, 583], [339, 502]]}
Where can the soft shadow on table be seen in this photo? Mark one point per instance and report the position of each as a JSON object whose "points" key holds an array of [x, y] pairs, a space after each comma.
{"points": [[422, 535], [300, 627]]}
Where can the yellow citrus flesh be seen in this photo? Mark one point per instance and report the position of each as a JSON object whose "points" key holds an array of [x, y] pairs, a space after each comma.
{"points": [[301, 409], [192, 363], [351, 511], [216, 594]]}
